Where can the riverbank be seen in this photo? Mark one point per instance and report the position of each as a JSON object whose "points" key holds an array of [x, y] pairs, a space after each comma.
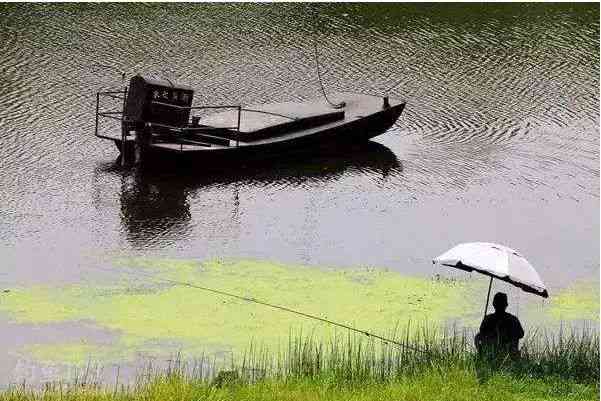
{"points": [[430, 366], [452, 385]]}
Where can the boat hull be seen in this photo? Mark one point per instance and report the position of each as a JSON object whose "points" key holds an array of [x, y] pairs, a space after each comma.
{"points": [[347, 133]]}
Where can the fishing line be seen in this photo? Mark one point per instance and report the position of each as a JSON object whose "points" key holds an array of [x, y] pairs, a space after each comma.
{"points": [[309, 316], [385, 340]]}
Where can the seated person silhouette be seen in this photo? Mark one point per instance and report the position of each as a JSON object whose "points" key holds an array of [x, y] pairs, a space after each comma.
{"points": [[500, 332]]}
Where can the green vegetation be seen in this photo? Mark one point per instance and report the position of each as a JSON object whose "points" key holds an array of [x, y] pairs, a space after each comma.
{"points": [[144, 306], [150, 314], [429, 365], [453, 385], [579, 301]]}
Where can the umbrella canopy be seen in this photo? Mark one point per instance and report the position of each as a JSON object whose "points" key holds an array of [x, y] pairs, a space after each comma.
{"points": [[496, 261]]}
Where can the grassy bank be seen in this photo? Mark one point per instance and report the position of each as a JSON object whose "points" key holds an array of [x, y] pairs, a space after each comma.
{"points": [[430, 365], [453, 385]]}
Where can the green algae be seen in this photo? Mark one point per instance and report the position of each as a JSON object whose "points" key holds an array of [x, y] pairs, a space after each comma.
{"points": [[74, 353], [578, 302], [146, 307], [150, 312]]}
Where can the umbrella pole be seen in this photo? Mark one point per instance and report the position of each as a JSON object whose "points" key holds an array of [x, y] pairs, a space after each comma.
{"points": [[488, 296]]}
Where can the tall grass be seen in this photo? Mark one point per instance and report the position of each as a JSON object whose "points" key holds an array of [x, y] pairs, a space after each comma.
{"points": [[419, 360], [569, 355]]}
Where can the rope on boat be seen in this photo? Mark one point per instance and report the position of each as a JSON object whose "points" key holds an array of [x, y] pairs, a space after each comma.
{"points": [[323, 91]]}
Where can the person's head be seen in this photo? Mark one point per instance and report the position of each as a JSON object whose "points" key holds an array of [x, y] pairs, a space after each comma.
{"points": [[500, 302]]}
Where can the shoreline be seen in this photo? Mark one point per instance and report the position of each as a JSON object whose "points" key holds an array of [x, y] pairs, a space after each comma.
{"points": [[426, 367]]}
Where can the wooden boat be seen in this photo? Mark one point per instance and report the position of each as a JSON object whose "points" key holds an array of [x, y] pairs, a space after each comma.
{"points": [[158, 124]]}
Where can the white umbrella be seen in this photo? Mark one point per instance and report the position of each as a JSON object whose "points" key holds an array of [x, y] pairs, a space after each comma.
{"points": [[496, 261]]}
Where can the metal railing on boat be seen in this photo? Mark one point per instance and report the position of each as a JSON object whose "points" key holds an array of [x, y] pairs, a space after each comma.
{"points": [[189, 127], [120, 95], [126, 125]]}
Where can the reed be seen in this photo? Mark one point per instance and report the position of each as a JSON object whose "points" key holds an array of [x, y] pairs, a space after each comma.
{"points": [[425, 363], [568, 354]]}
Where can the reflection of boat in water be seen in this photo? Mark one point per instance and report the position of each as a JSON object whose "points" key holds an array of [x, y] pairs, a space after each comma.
{"points": [[150, 208], [157, 203], [158, 124]]}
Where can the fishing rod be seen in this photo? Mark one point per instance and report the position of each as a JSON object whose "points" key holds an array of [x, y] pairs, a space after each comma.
{"points": [[385, 340], [307, 315]]}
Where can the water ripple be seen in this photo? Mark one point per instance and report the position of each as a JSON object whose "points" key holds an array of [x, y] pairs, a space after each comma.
{"points": [[499, 98]]}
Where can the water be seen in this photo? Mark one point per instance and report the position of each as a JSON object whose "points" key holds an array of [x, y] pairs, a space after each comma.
{"points": [[499, 141]]}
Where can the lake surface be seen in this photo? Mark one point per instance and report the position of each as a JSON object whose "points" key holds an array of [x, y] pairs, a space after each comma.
{"points": [[499, 142]]}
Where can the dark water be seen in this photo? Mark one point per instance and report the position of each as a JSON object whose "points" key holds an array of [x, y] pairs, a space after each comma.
{"points": [[499, 141]]}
